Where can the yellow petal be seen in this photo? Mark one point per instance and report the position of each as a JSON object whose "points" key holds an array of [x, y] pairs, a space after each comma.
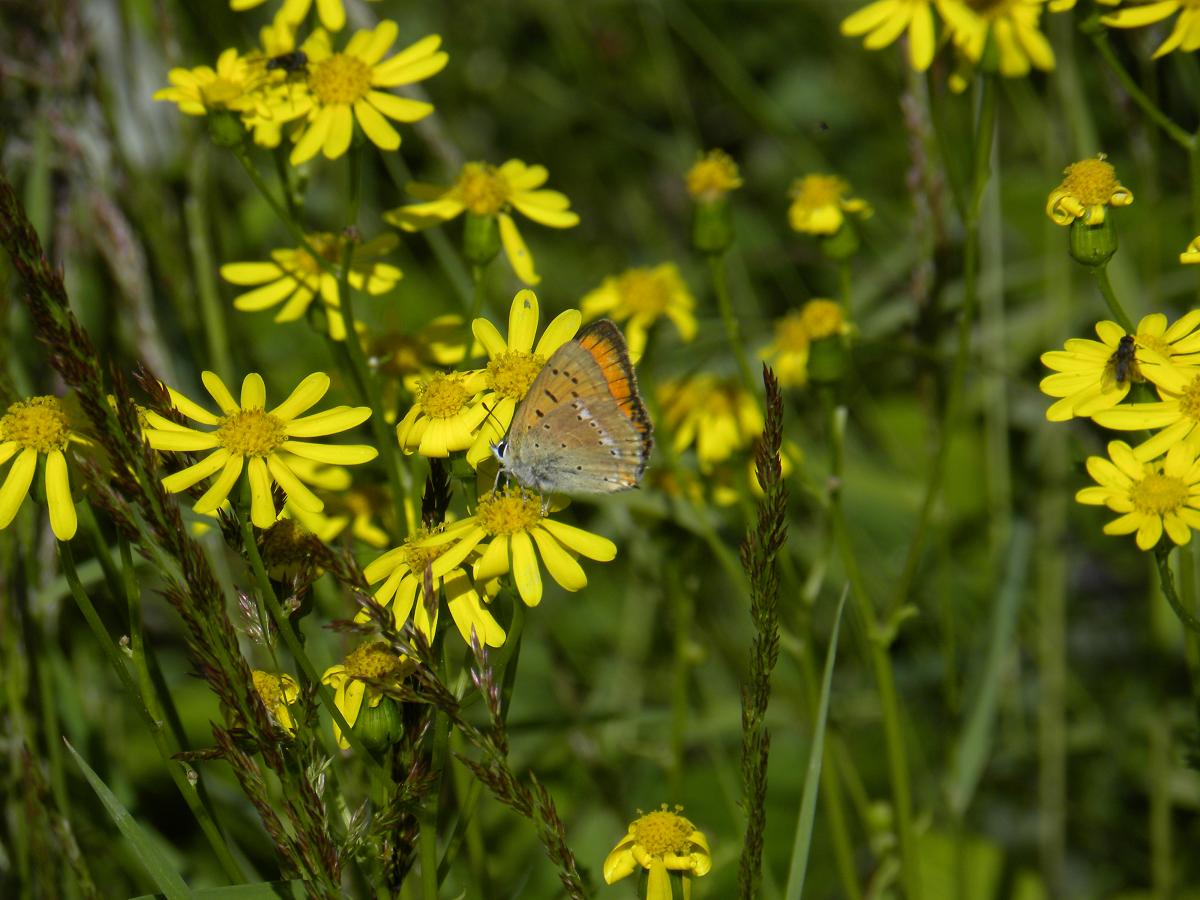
{"points": [[219, 392], [262, 506], [63, 521], [194, 474], [526, 573], [516, 251], [16, 485], [306, 394]]}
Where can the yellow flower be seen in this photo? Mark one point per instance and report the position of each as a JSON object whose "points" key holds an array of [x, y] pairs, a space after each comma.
{"points": [[31, 427], [513, 364], [234, 84], [713, 176], [1177, 413], [404, 570], [794, 334], [819, 204], [355, 680], [248, 435], [661, 842], [355, 508], [1186, 34], [1011, 24], [1089, 186], [1086, 371], [440, 343], [1192, 253], [342, 89], [294, 277], [331, 12], [885, 20], [278, 692], [718, 415], [489, 191], [641, 296], [510, 531], [444, 416], [1151, 497]]}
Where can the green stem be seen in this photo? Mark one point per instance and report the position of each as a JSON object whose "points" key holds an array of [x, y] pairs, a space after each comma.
{"points": [[478, 295], [845, 282], [682, 617], [285, 627], [1162, 556], [400, 479], [881, 665], [157, 733], [716, 268], [1194, 176], [212, 312], [984, 136], [1140, 97], [1100, 273]]}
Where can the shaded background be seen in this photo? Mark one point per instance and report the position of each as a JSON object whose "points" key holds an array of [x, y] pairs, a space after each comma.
{"points": [[1096, 722]]}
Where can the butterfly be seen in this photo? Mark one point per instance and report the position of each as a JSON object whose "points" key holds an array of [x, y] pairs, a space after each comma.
{"points": [[582, 427]]}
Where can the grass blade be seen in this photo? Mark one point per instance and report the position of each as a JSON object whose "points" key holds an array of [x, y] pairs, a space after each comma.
{"points": [[160, 869], [812, 779]]}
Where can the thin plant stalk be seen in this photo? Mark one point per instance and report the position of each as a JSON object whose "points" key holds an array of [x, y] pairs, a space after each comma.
{"points": [[720, 283], [1100, 274]]}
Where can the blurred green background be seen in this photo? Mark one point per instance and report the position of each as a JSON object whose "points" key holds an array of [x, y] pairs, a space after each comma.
{"points": [[1088, 774]]}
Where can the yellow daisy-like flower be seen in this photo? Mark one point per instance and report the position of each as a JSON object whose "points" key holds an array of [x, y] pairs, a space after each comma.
{"points": [[357, 509], [1186, 34], [713, 176], [278, 692], [404, 570], [660, 842], [885, 20], [1152, 497], [819, 204], [295, 277], [1090, 185], [794, 334], [234, 84], [1191, 255], [440, 343], [1086, 372], [373, 663], [640, 297], [445, 416], [510, 530], [1177, 413], [513, 364], [718, 415], [1012, 24], [249, 436], [331, 12], [343, 88], [489, 191], [33, 427]]}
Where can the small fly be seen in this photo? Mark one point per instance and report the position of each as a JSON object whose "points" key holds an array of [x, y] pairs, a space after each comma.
{"points": [[1123, 359], [293, 63]]}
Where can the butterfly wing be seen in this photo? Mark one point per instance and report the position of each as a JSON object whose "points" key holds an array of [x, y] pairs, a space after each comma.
{"points": [[582, 427]]}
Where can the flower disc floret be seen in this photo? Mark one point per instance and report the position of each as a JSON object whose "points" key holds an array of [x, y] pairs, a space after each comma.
{"points": [[367, 670], [509, 513], [374, 662], [340, 79], [445, 415], [278, 693], [251, 432], [512, 372], [29, 428], [1089, 186]]}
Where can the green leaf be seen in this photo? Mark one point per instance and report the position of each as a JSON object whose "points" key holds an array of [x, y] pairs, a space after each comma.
{"points": [[808, 800], [262, 890], [157, 865], [976, 742]]}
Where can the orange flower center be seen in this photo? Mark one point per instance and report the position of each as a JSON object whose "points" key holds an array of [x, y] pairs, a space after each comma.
{"points": [[442, 396], [39, 423], [1092, 181], [482, 189], [644, 292], [1158, 494], [816, 191], [251, 432], [340, 80], [374, 662], [509, 512], [663, 832], [512, 372], [822, 319]]}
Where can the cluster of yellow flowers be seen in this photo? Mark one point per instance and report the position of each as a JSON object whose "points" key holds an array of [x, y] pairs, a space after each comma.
{"points": [[1155, 486], [1003, 35]]}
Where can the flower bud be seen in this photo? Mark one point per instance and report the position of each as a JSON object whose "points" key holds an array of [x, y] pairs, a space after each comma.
{"points": [[828, 359], [379, 727], [225, 128], [842, 244], [1093, 245], [712, 226], [481, 239]]}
